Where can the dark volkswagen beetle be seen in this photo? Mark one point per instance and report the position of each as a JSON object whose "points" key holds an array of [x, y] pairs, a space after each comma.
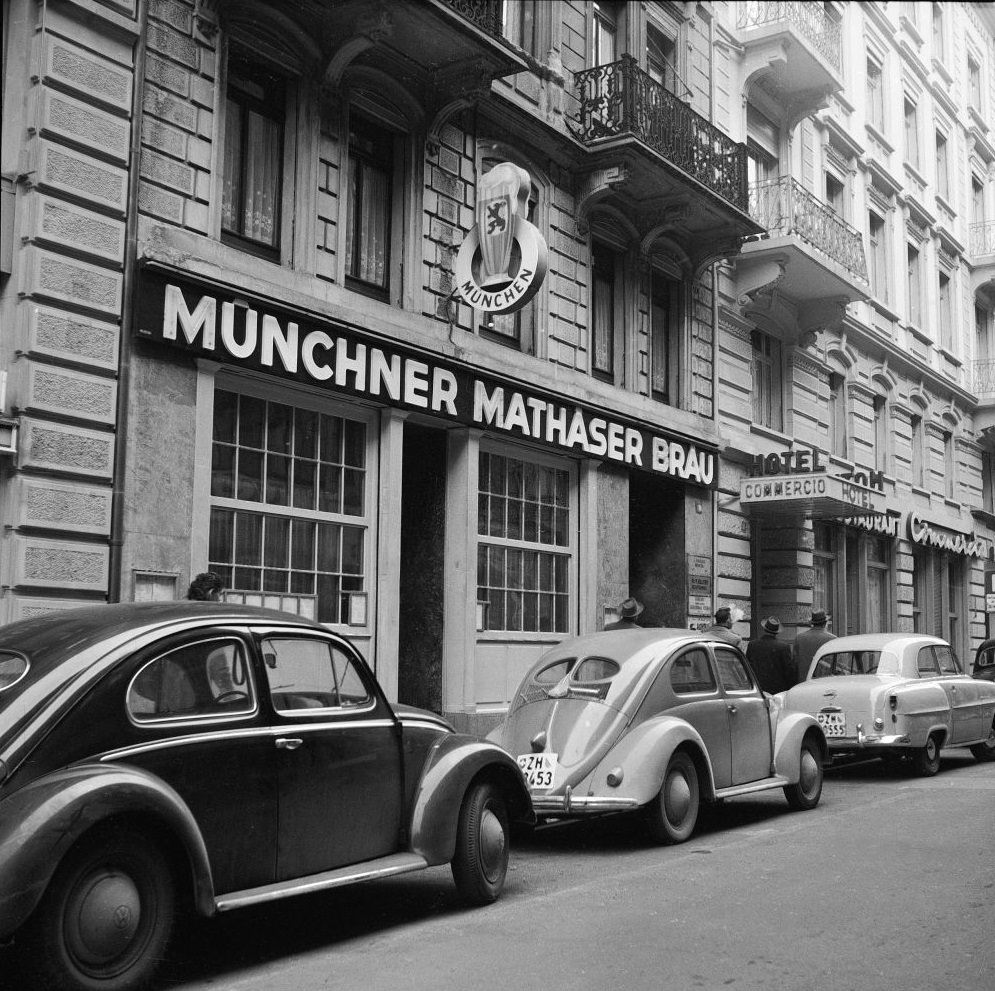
{"points": [[160, 755]]}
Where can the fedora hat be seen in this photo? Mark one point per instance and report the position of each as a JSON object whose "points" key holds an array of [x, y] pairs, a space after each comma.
{"points": [[630, 609], [772, 625], [820, 617]]}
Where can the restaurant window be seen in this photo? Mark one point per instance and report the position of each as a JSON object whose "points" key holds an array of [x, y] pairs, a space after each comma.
{"points": [[255, 109], [837, 415], [942, 167], [881, 433], [665, 337], [524, 548], [289, 505], [878, 585], [875, 93], [767, 379], [604, 28], [368, 231], [604, 264], [914, 285], [878, 255], [939, 599], [918, 458], [911, 133], [518, 18], [824, 566]]}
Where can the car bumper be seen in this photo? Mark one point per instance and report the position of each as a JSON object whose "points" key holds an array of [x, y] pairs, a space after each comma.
{"points": [[865, 741], [579, 805]]}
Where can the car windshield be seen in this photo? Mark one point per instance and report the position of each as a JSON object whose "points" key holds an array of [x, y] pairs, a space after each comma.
{"points": [[847, 662]]}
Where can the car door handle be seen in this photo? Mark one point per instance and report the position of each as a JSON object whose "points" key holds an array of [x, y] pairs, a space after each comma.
{"points": [[288, 742], [732, 709]]}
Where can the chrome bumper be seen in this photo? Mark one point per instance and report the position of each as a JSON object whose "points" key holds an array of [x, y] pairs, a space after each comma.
{"points": [[579, 805], [865, 741]]}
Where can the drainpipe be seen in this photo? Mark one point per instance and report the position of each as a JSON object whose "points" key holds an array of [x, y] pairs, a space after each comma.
{"points": [[715, 424], [127, 315]]}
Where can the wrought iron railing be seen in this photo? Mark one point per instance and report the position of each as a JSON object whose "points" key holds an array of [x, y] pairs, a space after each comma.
{"points": [[620, 99], [808, 18], [486, 14], [785, 207], [983, 238], [984, 377]]}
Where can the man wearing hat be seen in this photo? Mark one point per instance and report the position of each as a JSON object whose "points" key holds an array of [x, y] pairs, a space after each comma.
{"points": [[771, 659], [722, 630], [627, 613], [807, 643]]}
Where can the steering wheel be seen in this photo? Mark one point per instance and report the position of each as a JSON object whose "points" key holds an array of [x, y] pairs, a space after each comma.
{"points": [[231, 695]]}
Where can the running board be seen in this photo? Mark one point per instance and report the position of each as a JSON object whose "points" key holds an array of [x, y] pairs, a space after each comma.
{"points": [[777, 781], [369, 870]]}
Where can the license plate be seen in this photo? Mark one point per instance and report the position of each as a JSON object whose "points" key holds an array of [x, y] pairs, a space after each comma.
{"points": [[538, 769], [832, 723]]}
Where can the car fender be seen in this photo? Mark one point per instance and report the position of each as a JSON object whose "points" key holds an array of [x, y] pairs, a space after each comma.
{"points": [[40, 823], [452, 765], [792, 727], [923, 708], [644, 753]]}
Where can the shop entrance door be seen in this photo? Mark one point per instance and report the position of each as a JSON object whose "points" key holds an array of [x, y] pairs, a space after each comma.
{"points": [[657, 558], [423, 528]]}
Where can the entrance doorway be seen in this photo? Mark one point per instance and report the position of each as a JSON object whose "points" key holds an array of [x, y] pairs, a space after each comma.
{"points": [[657, 560], [423, 529]]}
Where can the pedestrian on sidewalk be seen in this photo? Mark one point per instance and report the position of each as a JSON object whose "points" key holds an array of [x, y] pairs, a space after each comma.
{"points": [[722, 630], [808, 642], [628, 612], [770, 659]]}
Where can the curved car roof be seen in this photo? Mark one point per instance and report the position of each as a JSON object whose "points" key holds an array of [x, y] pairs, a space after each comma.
{"points": [[877, 641]]}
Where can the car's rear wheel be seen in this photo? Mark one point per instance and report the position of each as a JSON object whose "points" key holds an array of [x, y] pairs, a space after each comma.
{"points": [[480, 863], [986, 751], [106, 918], [673, 813], [926, 760], [807, 792]]}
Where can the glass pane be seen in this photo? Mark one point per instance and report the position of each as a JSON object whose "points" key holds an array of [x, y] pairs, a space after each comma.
{"points": [[276, 552], [328, 546], [280, 422], [355, 444], [261, 194], [277, 479], [249, 538], [247, 579], [352, 492], [222, 535], [328, 599], [516, 482], [231, 192], [331, 439], [274, 581], [252, 413], [374, 225], [481, 566], [225, 411], [496, 521], [302, 547], [305, 490], [514, 527], [302, 582], [330, 491], [482, 505], [250, 476], [497, 483], [352, 550], [223, 471], [306, 433]]}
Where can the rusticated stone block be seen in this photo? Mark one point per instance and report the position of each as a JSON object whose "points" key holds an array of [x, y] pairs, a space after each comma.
{"points": [[64, 171], [46, 274], [88, 74], [47, 563], [164, 138], [167, 171], [69, 336], [168, 107], [167, 74], [167, 41], [791, 577], [30, 606], [177, 15], [68, 118], [71, 393], [448, 185], [69, 226], [60, 447], [43, 502], [160, 203]]}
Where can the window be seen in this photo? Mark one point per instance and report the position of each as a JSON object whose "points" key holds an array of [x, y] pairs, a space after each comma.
{"points": [[763, 148], [938, 604], [939, 40], [691, 673], [977, 200], [665, 334], [837, 415], [605, 28], [914, 285], [878, 586], [207, 679], [926, 662], [911, 133], [835, 195], [982, 344], [987, 482], [368, 232], [523, 554], [918, 461], [253, 154], [519, 24], [875, 94], [942, 175], [949, 468], [881, 433], [661, 52], [603, 263], [824, 563], [733, 673], [767, 398], [288, 516], [946, 660], [945, 311], [878, 256], [843, 663], [312, 674], [920, 564], [974, 83]]}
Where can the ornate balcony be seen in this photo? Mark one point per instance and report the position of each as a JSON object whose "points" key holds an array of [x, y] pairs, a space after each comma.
{"points": [[981, 246], [983, 384], [794, 50], [669, 152], [486, 14]]}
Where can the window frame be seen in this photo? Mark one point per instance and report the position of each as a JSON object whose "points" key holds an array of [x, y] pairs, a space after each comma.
{"points": [[839, 419], [613, 262], [671, 341], [875, 92], [911, 132], [767, 391], [877, 237]]}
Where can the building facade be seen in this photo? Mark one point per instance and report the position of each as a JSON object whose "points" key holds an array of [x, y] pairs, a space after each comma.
{"points": [[232, 338]]}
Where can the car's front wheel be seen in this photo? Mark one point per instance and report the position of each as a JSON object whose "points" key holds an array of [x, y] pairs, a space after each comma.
{"points": [[985, 751], [673, 813], [926, 760], [807, 792], [106, 918], [480, 863]]}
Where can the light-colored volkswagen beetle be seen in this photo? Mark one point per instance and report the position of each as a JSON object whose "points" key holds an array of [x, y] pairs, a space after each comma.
{"points": [[656, 720]]}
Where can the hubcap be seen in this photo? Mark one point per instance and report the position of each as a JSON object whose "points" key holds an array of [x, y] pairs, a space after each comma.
{"points": [[678, 798], [102, 917], [931, 748], [492, 845], [809, 775]]}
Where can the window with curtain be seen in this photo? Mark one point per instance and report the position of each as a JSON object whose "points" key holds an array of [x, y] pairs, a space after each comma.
{"points": [[875, 93], [603, 311], [918, 455], [661, 54], [914, 285], [878, 585], [942, 170], [368, 234], [837, 415], [767, 395], [824, 562], [289, 512], [835, 199], [524, 548], [665, 336], [255, 108], [878, 256], [519, 24], [911, 133], [604, 27]]}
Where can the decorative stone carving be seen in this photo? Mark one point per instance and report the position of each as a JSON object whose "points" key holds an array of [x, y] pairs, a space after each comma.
{"points": [[593, 187]]}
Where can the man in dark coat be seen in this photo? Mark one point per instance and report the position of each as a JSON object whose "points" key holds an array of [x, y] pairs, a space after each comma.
{"points": [[771, 659], [628, 612], [807, 643]]}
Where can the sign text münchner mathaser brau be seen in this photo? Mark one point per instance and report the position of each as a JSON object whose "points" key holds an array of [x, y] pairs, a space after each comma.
{"points": [[306, 348]]}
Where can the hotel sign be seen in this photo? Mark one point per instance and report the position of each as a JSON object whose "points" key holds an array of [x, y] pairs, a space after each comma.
{"points": [[819, 493], [210, 322]]}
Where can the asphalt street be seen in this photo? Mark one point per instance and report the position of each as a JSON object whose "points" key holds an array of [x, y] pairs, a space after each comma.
{"points": [[888, 884]]}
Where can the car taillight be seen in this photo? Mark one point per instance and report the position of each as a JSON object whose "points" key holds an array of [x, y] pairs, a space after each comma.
{"points": [[893, 702]]}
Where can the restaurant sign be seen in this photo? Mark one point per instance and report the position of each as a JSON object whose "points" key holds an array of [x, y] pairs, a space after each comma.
{"points": [[225, 326], [943, 538]]}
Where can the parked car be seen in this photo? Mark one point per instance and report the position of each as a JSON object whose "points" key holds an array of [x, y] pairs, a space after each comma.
{"points": [[162, 755], [896, 694], [657, 721], [984, 661]]}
